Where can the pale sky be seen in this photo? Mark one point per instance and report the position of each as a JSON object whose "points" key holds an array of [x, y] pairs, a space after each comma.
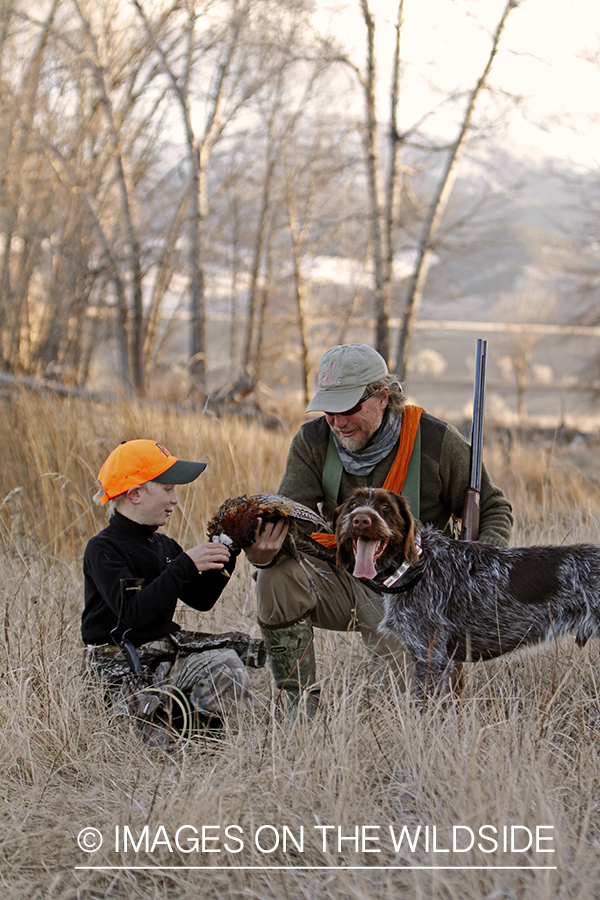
{"points": [[445, 44]]}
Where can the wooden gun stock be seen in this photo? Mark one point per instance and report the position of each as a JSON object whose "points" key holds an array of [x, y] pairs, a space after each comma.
{"points": [[470, 516]]}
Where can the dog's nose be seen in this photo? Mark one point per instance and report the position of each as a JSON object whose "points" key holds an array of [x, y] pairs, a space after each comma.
{"points": [[361, 519]]}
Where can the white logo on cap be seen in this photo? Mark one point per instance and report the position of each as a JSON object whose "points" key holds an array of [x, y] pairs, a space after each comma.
{"points": [[326, 378]]}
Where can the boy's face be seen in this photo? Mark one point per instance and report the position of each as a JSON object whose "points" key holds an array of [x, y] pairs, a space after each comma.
{"points": [[155, 503]]}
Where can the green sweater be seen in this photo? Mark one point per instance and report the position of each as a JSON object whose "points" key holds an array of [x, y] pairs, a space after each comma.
{"points": [[445, 469]]}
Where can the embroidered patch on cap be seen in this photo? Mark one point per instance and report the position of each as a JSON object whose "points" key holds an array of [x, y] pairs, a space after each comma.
{"points": [[327, 378]]}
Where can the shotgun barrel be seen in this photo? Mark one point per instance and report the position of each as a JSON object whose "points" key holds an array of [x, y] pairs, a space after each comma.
{"points": [[470, 519]]}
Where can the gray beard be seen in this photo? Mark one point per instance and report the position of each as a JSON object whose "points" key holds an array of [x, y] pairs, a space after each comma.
{"points": [[362, 461], [350, 445]]}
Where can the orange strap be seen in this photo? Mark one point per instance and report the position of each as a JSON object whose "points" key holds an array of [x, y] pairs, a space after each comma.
{"points": [[326, 540], [411, 417]]}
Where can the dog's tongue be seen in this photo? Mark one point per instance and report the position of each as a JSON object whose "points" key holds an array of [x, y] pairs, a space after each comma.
{"points": [[364, 563]]}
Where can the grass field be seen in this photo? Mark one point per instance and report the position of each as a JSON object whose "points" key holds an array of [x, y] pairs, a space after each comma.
{"points": [[278, 813]]}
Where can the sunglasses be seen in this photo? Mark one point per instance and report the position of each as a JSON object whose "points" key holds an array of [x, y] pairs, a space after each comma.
{"points": [[355, 409]]}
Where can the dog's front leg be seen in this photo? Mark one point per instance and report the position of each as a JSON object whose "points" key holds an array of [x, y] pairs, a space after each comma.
{"points": [[429, 648], [429, 677], [422, 680], [456, 678]]}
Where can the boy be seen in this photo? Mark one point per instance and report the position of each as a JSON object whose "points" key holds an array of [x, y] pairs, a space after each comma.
{"points": [[134, 575]]}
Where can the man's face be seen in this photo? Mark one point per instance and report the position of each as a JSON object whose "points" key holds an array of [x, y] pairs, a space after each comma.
{"points": [[355, 430]]}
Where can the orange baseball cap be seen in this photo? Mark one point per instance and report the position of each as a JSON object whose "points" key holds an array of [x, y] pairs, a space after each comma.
{"points": [[135, 462]]}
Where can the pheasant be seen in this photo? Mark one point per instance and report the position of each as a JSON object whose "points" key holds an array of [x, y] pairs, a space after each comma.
{"points": [[234, 524]]}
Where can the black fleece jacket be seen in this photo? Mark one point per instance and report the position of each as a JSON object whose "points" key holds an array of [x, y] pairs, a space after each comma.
{"points": [[125, 549]]}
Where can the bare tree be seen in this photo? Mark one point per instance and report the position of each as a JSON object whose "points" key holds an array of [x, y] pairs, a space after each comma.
{"points": [[116, 191], [233, 49], [298, 234], [439, 203], [257, 295], [178, 60], [132, 317], [282, 113], [19, 99], [369, 84], [382, 201], [84, 107]]}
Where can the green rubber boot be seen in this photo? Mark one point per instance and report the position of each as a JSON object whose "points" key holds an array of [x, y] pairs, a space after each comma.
{"points": [[291, 655]]}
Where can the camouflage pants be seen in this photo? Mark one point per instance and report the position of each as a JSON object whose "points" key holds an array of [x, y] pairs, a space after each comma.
{"points": [[214, 681]]}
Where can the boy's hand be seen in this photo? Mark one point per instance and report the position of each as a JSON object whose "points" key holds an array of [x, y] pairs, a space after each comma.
{"points": [[268, 543], [208, 556]]}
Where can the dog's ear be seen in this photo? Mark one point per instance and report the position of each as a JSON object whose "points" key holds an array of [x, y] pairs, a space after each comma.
{"points": [[410, 532]]}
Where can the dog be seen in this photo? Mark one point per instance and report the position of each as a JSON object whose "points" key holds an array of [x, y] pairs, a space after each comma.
{"points": [[456, 601]]}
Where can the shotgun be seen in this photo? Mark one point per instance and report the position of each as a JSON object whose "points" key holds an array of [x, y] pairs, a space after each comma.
{"points": [[470, 517]]}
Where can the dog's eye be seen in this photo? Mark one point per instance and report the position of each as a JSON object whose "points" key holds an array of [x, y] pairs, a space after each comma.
{"points": [[384, 506]]}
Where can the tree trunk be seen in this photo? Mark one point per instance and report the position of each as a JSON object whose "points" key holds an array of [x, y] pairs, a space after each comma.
{"points": [[297, 232], [199, 150], [263, 302], [134, 333], [197, 312], [438, 207], [250, 360], [381, 302], [17, 131], [392, 187], [166, 266]]}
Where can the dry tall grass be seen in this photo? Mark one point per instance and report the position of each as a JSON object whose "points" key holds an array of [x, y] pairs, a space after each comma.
{"points": [[522, 748]]}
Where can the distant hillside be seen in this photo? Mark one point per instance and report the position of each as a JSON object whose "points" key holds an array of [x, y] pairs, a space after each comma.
{"points": [[535, 230]]}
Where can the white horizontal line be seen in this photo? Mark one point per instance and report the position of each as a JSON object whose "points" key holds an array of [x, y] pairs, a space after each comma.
{"points": [[442, 324], [507, 327], [306, 868]]}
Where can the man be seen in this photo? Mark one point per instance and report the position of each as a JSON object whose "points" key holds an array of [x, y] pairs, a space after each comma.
{"points": [[367, 436]]}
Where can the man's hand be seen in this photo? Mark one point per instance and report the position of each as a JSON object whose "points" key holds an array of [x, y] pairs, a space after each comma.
{"points": [[208, 556], [267, 543]]}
